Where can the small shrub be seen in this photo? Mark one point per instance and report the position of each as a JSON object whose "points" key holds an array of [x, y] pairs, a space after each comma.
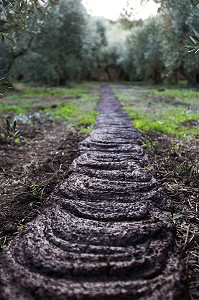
{"points": [[9, 132]]}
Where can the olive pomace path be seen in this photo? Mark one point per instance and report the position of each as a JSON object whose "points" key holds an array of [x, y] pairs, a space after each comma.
{"points": [[103, 234]]}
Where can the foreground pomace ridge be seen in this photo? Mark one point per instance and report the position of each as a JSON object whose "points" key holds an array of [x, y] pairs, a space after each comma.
{"points": [[102, 234]]}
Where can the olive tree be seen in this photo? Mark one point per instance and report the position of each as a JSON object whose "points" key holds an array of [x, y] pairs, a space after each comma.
{"points": [[63, 50], [180, 18], [143, 58], [19, 18]]}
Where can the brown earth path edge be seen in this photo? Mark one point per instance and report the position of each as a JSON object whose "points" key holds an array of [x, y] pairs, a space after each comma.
{"points": [[104, 233]]}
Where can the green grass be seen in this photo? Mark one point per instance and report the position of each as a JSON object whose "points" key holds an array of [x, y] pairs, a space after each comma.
{"points": [[76, 105], [185, 96], [14, 108], [30, 92], [80, 112], [165, 112]]}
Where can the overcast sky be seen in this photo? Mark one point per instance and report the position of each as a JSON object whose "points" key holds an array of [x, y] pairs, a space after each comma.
{"points": [[111, 9]]}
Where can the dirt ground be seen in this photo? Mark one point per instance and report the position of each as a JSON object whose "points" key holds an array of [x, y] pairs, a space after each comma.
{"points": [[175, 165], [29, 171]]}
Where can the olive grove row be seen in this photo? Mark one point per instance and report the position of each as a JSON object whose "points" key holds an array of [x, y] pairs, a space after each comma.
{"points": [[51, 42]]}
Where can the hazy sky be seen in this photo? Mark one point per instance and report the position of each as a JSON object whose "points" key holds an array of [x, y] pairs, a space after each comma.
{"points": [[111, 9]]}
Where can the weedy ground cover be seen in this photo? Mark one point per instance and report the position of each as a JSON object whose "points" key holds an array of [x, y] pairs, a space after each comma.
{"points": [[76, 105], [171, 111], [80, 112], [174, 163]]}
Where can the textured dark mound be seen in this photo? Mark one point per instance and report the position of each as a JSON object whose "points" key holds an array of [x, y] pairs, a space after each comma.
{"points": [[103, 234]]}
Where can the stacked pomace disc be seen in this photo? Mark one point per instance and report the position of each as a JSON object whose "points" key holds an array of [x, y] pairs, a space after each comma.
{"points": [[104, 233]]}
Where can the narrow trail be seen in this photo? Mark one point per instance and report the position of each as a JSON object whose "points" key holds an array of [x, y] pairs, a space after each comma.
{"points": [[103, 234]]}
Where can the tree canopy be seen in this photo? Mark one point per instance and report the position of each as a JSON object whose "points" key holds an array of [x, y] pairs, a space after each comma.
{"points": [[54, 41]]}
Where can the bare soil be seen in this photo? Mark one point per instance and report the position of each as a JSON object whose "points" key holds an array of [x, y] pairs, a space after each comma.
{"points": [[175, 164], [30, 170]]}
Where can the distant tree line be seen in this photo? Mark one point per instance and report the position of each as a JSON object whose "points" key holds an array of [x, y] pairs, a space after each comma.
{"points": [[52, 42]]}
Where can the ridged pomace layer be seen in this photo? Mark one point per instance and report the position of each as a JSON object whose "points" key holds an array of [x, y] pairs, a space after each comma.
{"points": [[104, 233]]}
